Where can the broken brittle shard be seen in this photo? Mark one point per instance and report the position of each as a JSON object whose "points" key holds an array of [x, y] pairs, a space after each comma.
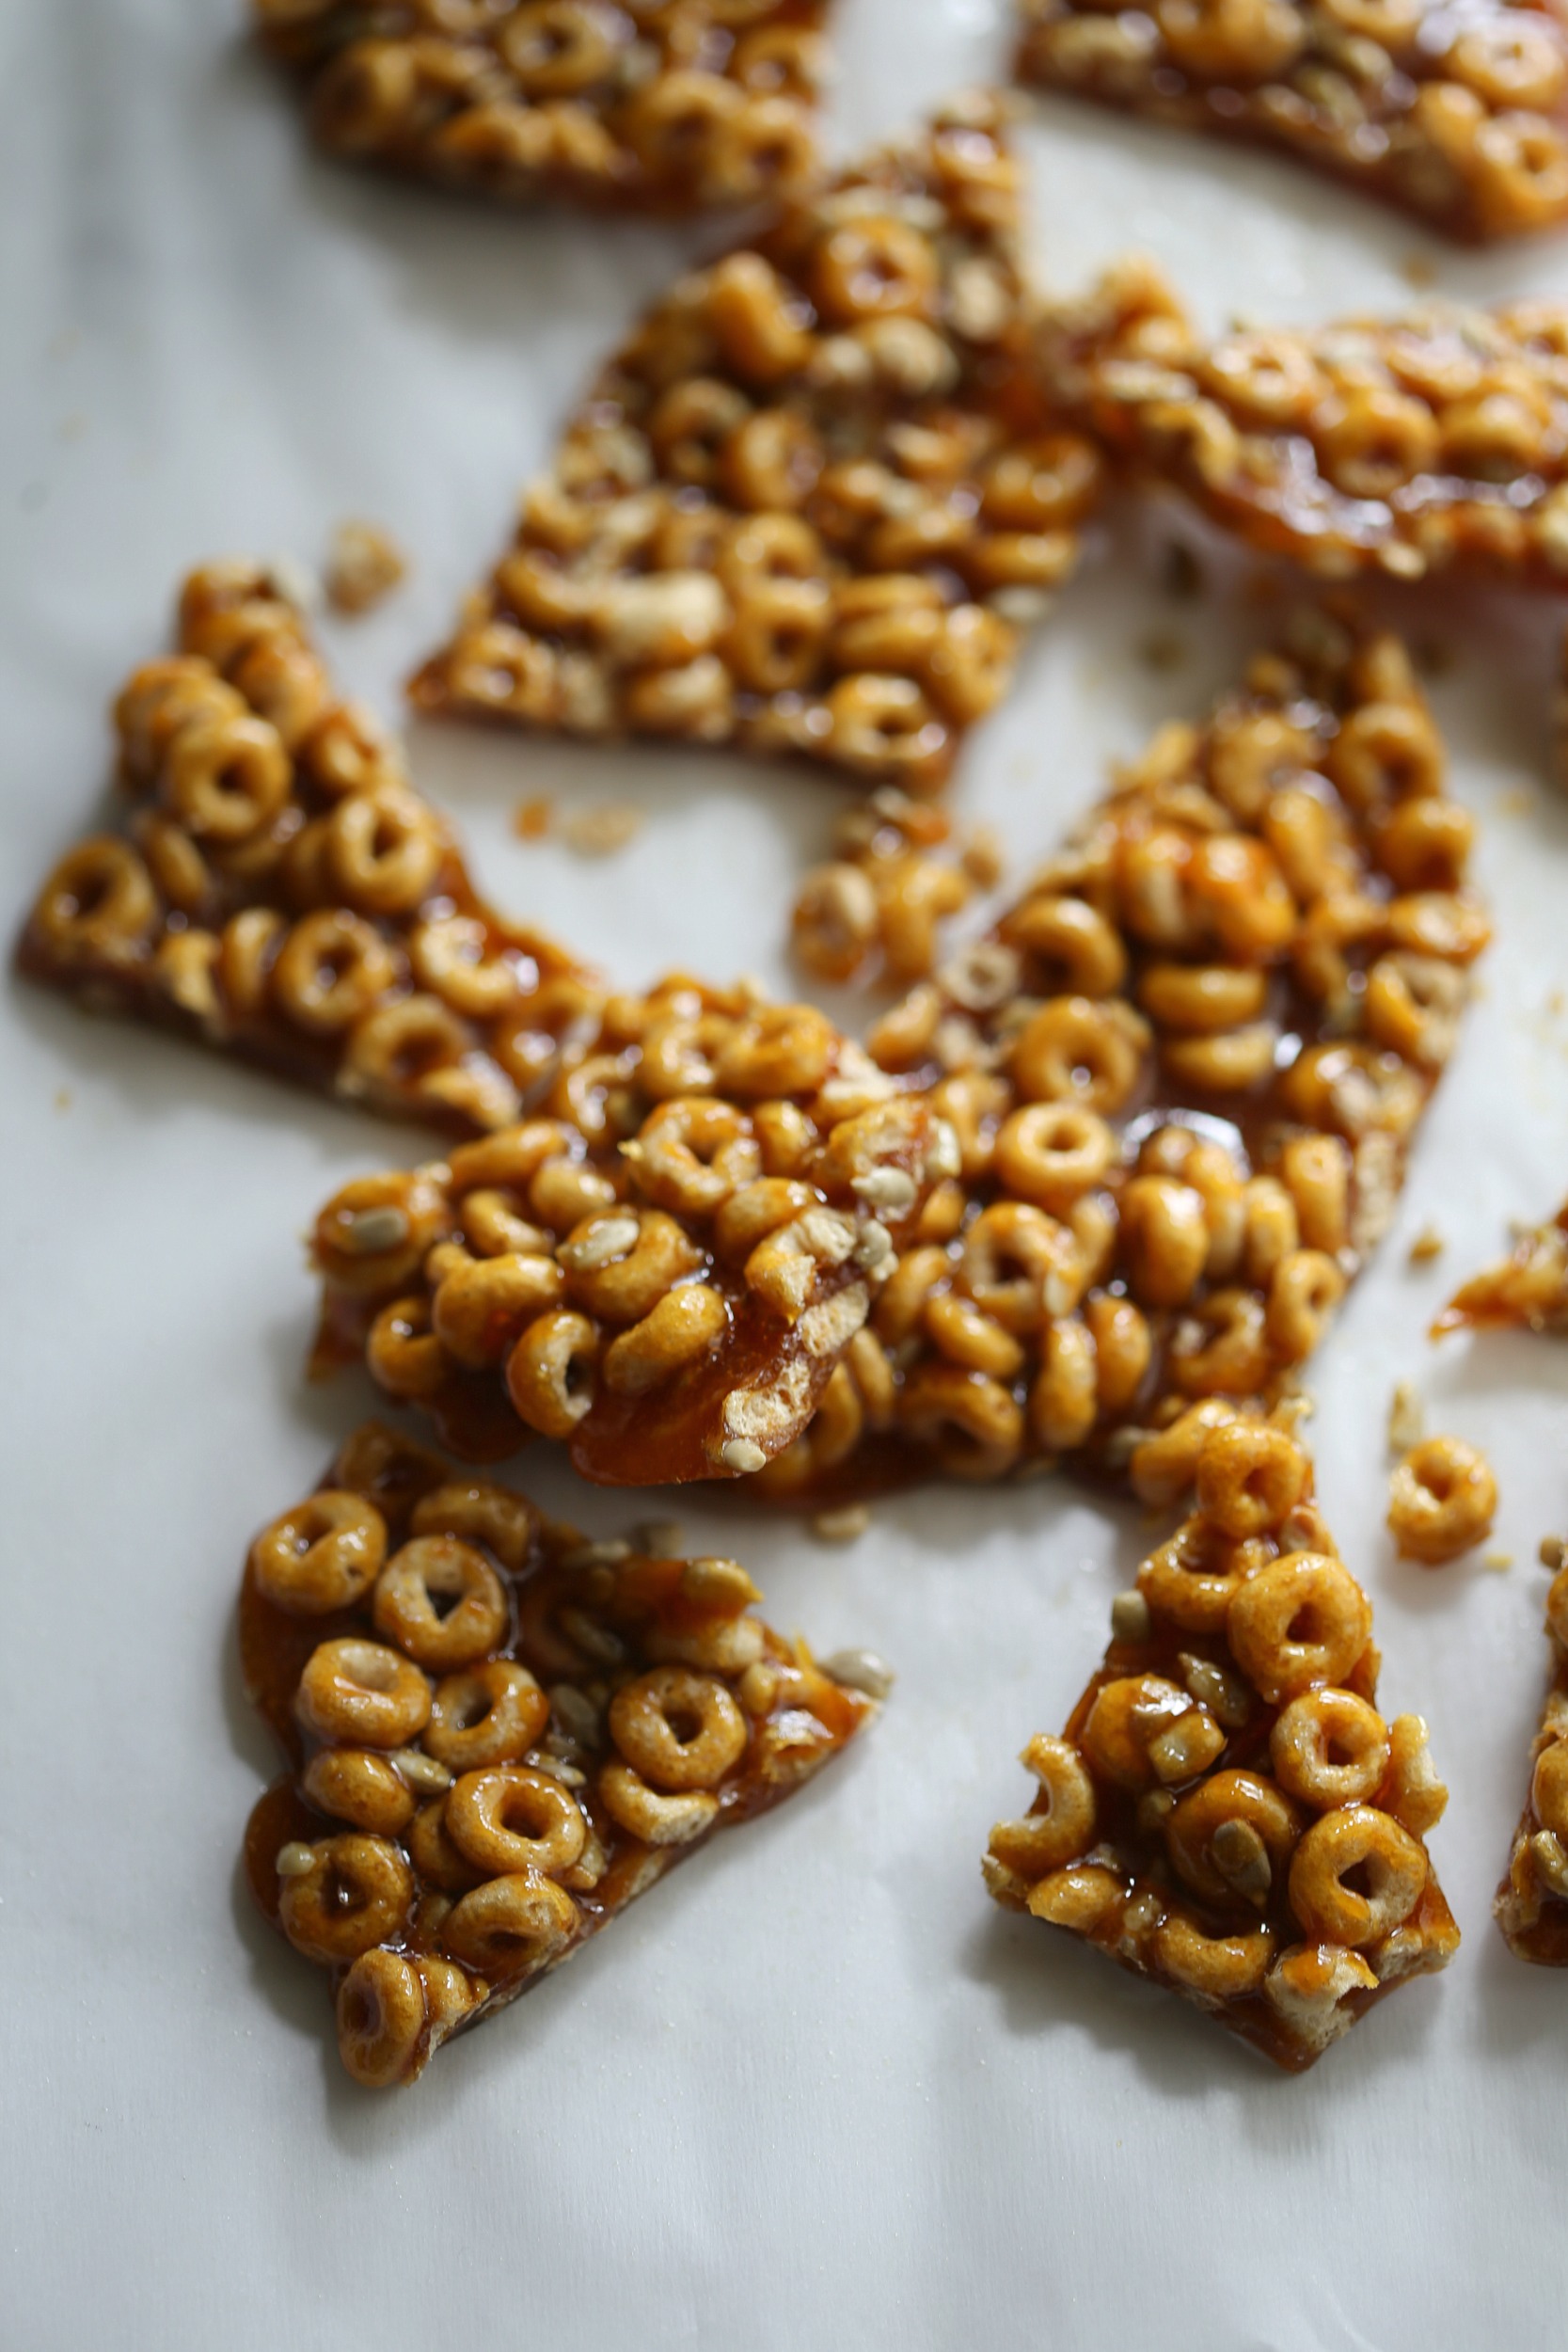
{"points": [[1527, 1288], [497, 1736], [638, 109], [1457, 115], [1431, 442], [1228, 1812], [1167, 1107], [1531, 1904], [811, 503]]}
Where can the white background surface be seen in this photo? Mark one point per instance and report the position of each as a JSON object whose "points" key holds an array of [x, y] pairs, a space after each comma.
{"points": [[816, 2089]]}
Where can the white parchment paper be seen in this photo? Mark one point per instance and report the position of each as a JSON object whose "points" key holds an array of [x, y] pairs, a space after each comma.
{"points": [[815, 2089]]}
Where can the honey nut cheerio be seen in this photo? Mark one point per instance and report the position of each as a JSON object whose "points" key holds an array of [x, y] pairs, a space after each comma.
{"points": [[1458, 115], [1442, 1501], [639, 108], [875, 910], [1185, 1071], [1227, 1811], [498, 1735], [1532, 1905], [1529, 1288], [1433, 442], [808, 507]]}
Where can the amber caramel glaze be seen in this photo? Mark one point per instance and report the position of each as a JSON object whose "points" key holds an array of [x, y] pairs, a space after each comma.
{"points": [[570, 103], [1529, 1288], [1454, 113], [806, 507], [584, 1622]]}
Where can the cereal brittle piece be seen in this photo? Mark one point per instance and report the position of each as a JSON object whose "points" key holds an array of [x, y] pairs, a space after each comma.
{"points": [[1183, 1071], [1531, 1904], [497, 1736], [1227, 1812], [1433, 442], [1459, 115], [807, 507], [1529, 1288], [671, 110], [666, 1269], [278, 890]]}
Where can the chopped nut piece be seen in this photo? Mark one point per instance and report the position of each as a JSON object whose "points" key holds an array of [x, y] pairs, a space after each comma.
{"points": [[1416, 107], [439, 1878], [859, 1670], [364, 566], [1406, 1417], [1130, 1617], [1308, 1825], [1497, 1562], [846, 1525], [742, 1454], [601, 832], [1427, 1245]]}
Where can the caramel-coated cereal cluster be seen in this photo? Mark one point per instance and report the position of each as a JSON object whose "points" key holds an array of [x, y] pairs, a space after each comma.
{"points": [[1532, 1905], [875, 910], [1529, 1288], [1227, 1811], [1442, 1501], [1430, 443], [1458, 114], [1183, 1071], [642, 107], [665, 1270], [498, 1734], [808, 505], [281, 891]]}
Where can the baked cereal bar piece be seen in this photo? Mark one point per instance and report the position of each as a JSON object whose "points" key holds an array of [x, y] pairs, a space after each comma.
{"points": [[1433, 442], [665, 1268], [642, 108], [1227, 1812], [1532, 1905], [497, 1736], [1458, 115], [277, 889], [1183, 1071], [809, 506], [1529, 1288]]}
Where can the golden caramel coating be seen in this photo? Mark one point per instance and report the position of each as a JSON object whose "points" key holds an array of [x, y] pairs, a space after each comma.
{"points": [[1430, 442], [1529, 1288], [808, 507], [1227, 1811], [1460, 117], [637, 108], [1532, 1903], [284, 895], [441, 1847]]}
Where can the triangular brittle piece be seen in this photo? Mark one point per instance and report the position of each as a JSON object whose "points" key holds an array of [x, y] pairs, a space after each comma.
{"points": [[1460, 117], [1529, 1288], [640, 109], [498, 1735], [808, 507], [1184, 1071], [1433, 442], [1531, 1906], [1227, 1812]]}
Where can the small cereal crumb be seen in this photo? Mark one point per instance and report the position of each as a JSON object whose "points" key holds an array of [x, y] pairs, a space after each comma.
{"points": [[63, 1098], [1555, 1003], [292, 580], [1553, 1553], [983, 858], [1180, 573], [843, 1526], [531, 819], [1427, 1245], [600, 831], [1417, 270], [1498, 1562], [363, 567], [658, 1539], [1162, 649], [1406, 1417], [1518, 801]]}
